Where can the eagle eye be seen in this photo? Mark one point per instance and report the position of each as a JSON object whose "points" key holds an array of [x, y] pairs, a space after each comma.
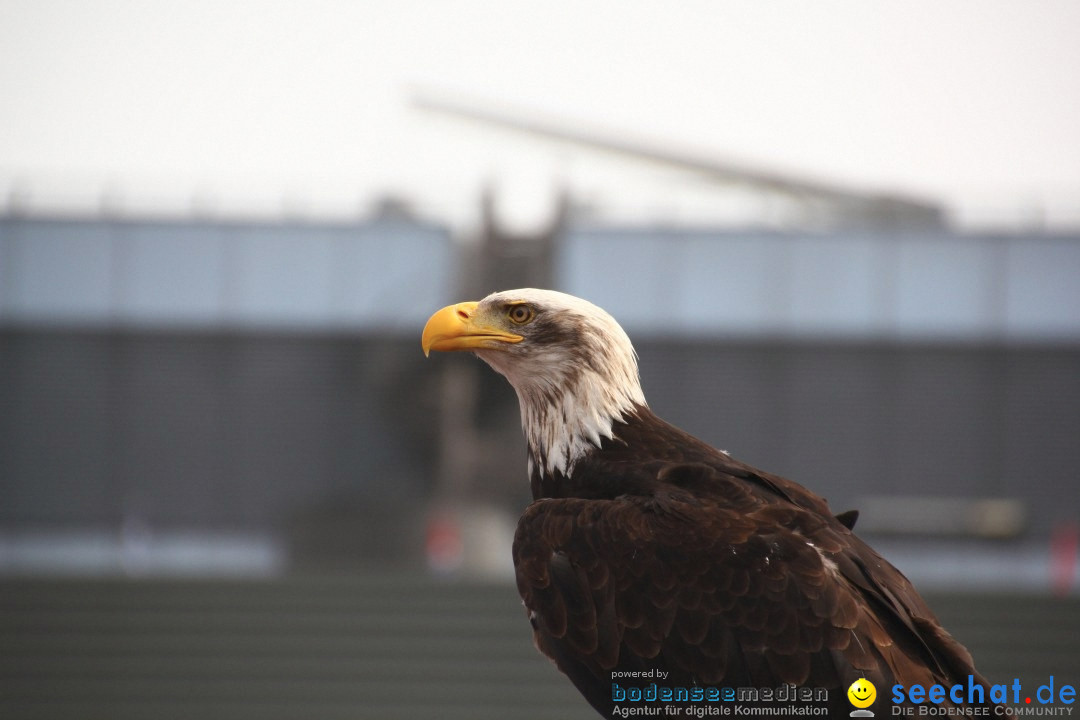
{"points": [[520, 314]]}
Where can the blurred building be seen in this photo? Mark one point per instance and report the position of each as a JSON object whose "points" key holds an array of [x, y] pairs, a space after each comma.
{"points": [[251, 396], [209, 395]]}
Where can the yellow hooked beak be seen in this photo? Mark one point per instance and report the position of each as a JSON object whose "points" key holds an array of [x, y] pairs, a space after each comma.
{"points": [[460, 327]]}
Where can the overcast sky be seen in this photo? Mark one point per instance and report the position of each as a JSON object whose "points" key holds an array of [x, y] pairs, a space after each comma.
{"points": [[249, 104]]}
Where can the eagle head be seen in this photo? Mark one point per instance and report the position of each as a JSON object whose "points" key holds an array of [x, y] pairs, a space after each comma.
{"points": [[573, 367]]}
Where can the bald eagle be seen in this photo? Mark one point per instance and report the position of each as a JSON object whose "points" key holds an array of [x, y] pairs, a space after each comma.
{"points": [[651, 561]]}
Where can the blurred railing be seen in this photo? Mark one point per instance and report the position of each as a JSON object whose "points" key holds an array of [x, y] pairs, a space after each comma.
{"points": [[376, 646]]}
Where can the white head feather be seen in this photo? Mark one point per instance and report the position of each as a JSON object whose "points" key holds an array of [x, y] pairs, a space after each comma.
{"points": [[575, 374]]}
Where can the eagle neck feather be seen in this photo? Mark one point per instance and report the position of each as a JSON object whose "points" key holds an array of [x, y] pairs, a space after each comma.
{"points": [[563, 422]]}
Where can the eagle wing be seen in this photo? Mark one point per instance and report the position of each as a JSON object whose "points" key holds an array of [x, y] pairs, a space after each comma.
{"points": [[715, 584]]}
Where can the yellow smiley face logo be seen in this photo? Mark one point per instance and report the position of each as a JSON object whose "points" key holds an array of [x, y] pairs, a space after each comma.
{"points": [[862, 693]]}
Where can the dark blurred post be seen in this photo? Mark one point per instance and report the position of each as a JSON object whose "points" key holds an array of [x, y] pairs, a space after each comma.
{"points": [[479, 435]]}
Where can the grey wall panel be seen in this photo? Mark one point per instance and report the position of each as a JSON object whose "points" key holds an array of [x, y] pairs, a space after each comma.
{"points": [[932, 286], [382, 274], [58, 269]]}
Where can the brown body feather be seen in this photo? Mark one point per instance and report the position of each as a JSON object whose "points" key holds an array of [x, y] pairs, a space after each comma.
{"points": [[659, 552]]}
